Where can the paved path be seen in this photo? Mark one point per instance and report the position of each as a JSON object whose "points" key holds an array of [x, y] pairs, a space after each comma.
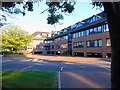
{"points": [[77, 72]]}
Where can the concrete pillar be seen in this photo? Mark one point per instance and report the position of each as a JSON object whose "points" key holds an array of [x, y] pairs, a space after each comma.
{"points": [[85, 54], [72, 53], [104, 55]]}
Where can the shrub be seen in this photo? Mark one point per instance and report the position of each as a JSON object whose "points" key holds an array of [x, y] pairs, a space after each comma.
{"points": [[64, 53]]}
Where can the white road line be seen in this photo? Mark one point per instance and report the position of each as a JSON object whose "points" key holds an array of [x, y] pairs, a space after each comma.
{"points": [[61, 69], [59, 81], [4, 61], [108, 69], [38, 64], [27, 67]]}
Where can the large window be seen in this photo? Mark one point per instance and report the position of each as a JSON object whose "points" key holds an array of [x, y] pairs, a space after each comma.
{"points": [[82, 33], [39, 47], [87, 32], [78, 44], [74, 35], [52, 47], [108, 42], [57, 47], [99, 29], [94, 43]]}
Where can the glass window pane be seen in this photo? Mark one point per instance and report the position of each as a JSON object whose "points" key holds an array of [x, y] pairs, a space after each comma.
{"points": [[99, 29], [95, 43], [100, 43], [108, 43]]}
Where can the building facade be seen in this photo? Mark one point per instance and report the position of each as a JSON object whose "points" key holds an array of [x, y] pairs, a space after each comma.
{"points": [[89, 37], [38, 41]]}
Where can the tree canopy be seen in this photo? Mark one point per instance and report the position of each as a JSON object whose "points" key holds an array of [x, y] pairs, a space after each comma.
{"points": [[55, 9], [112, 10], [13, 38]]}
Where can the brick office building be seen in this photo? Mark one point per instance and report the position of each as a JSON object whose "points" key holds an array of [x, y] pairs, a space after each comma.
{"points": [[89, 37], [38, 41]]}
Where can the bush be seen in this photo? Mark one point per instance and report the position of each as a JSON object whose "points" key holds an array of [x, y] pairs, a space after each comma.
{"points": [[12, 52], [64, 53]]}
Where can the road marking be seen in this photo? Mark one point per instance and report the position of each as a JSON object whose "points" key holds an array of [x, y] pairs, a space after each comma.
{"points": [[61, 69], [27, 67], [59, 81], [4, 61], [38, 64], [108, 69]]}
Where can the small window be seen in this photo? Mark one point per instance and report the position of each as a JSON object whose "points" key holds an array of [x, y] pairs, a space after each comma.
{"points": [[108, 42]]}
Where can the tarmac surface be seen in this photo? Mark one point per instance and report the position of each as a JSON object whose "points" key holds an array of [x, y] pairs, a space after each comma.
{"points": [[77, 72]]}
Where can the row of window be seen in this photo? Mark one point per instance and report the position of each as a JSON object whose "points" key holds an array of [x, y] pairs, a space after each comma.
{"points": [[89, 43], [91, 31], [95, 30], [79, 24], [78, 44], [39, 47], [59, 46], [92, 43], [61, 38]]}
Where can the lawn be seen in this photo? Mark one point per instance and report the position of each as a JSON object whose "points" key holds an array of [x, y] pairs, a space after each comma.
{"points": [[29, 79]]}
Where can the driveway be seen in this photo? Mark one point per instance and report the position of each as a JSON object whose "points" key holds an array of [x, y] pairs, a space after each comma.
{"points": [[78, 72]]}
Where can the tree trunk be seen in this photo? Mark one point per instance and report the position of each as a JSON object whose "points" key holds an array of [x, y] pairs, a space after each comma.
{"points": [[112, 10]]}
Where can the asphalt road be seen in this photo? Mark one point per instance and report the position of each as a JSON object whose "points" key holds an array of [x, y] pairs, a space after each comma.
{"points": [[73, 75]]}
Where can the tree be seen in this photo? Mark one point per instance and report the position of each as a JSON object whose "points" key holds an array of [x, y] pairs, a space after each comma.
{"points": [[112, 10], [13, 38]]}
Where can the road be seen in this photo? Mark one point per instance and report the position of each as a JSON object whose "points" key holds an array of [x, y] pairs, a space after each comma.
{"points": [[77, 72]]}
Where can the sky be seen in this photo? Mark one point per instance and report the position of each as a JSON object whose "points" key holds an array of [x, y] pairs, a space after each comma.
{"points": [[34, 21]]}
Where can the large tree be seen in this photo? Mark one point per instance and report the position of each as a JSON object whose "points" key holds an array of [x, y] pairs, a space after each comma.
{"points": [[112, 10], [13, 38]]}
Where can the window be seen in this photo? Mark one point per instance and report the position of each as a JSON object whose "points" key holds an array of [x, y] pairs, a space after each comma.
{"points": [[57, 47], [74, 35], [99, 43], [75, 45], [78, 44], [87, 32], [39, 47], [94, 43], [108, 42], [79, 34], [88, 43], [104, 28], [91, 31], [52, 47], [107, 29], [99, 29], [95, 30], [82, 33], [94, 18]]}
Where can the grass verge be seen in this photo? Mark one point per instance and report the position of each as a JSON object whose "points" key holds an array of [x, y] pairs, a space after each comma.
{"points": [[29, 79]]}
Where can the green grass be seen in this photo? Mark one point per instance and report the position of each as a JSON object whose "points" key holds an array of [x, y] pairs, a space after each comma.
{"points": [[29, 79]]}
